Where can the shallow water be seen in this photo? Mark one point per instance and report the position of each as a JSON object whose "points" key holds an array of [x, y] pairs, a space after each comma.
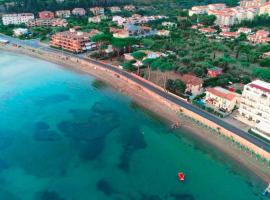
{"points": [[64, 136]]}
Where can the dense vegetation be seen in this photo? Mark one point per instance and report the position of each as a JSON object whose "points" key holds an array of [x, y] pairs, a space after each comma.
{"points": [[37, 5]]}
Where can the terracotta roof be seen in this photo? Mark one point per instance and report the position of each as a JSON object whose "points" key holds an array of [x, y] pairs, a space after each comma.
{"points": [[191, 79], [222, 93]]}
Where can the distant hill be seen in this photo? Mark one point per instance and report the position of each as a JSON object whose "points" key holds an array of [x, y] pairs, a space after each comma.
{"points": [[37, 5]]}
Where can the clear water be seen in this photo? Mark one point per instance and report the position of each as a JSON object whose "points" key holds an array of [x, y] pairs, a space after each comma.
{"points": [[64, 138]]}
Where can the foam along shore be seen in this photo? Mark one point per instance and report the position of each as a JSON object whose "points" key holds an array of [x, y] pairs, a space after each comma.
{"points": [[156, 105]]}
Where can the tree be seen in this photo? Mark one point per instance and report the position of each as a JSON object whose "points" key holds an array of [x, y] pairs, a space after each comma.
{"points": [[207, 20], [118, 44], [176, 86], [148, 62], [265, 62], [139, 55]]}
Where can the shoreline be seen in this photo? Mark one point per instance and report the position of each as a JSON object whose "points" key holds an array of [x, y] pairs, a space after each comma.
{"points": [[159, 108]]}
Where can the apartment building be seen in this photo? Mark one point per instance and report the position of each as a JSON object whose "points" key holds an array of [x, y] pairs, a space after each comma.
{"points": [[20, 18], [72, 41], [251, 3], [62, 13], [199, 10], [255, 105], [55, 22], [265, 9]]}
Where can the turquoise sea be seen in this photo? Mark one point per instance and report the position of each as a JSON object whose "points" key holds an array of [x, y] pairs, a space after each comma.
{"points": [[66, 136]]}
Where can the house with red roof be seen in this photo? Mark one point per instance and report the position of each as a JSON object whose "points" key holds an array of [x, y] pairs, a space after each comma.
{"points": [[261, 36], [214, 72], [222, 99], [194, 84]]}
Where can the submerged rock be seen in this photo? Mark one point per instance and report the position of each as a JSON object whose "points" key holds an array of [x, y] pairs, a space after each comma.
{"points": [[48, 195], [6, 140], [105, 187], [47, 135], [42, 125], [52, 99], [132, 140], [42, 132]]}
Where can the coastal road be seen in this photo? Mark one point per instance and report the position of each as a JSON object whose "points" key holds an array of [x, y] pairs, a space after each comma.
{"points": [[188, 106], [256, 141]]}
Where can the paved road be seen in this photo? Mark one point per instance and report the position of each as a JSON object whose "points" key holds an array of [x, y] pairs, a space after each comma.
{"points": [[184, 104], [189, 106]]}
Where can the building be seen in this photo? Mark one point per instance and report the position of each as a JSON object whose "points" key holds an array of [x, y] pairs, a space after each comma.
{"points": [[251, 3], [229, 34], [97, 10], [163, 33], [222, 99], [20, 31], [261, 36], [95, 19], [207, 30], [46, 15], [115, 9], [244, 30], [214, 72], [55, 22], [129, 7], [265, 9], [266, 55], [62, 13], [169, 24], [255, 106], [20, 18], [72, 41], [94, 32], [119, 20], [194, 85], [79, 11], [121, 33], [198, 10]]}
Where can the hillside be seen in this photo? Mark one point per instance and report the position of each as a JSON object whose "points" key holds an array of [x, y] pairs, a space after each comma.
{"points": [[37, 5]]}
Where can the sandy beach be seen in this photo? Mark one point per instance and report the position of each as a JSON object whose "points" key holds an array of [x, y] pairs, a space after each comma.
{"points": [[144, 99]]}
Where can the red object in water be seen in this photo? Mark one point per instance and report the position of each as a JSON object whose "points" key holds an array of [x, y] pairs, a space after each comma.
{"points": [[181, 176]]}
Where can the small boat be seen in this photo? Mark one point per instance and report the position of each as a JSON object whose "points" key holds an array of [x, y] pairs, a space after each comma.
{"points": [[181, 176]]}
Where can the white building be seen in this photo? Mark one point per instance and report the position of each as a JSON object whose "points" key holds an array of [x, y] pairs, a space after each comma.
{"points": [[115, 9], [95, 19], [20, 18], [63, 13], [20, 31], [255, 105]]}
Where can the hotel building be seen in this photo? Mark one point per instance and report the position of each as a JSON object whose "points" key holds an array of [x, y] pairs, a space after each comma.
{"points": [[255, 105], [72, 41], [20, 18]]}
